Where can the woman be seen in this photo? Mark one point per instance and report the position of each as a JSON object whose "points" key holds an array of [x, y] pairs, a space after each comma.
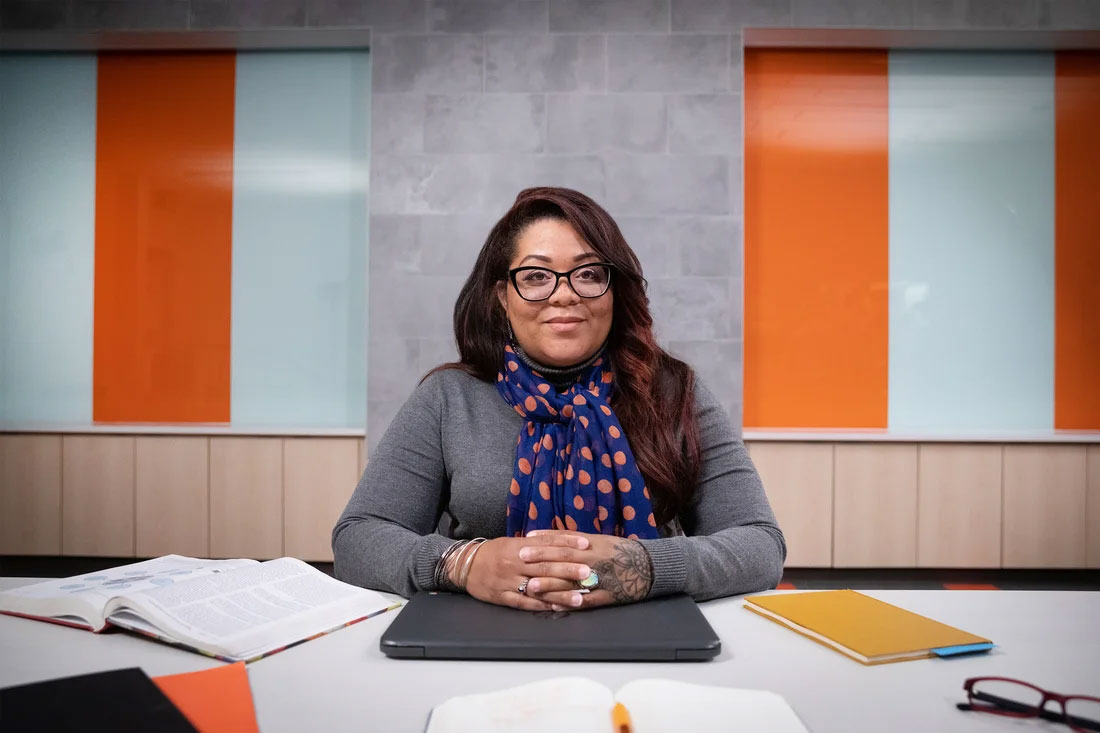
{"points": [[602, 471]]}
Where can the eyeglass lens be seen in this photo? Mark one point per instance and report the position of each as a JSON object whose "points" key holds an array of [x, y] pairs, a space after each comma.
{"points": [[1011, 696], [590, 281], [1083, 713]]}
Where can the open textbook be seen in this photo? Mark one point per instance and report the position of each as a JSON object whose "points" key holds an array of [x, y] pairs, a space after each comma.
{"points": [[233, 610], [581, 705]]}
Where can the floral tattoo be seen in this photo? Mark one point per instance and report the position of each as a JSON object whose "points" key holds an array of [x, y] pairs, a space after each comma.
{"points": [[628, 575]]}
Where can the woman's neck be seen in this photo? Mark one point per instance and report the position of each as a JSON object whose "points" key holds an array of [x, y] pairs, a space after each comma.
{"points": [[560, 377]]}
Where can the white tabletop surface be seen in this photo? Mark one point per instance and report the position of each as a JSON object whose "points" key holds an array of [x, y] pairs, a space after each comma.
{"points": [[343, 682]]}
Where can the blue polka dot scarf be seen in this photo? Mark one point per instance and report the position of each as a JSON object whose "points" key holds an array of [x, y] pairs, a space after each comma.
{"points": [[574, 467]]}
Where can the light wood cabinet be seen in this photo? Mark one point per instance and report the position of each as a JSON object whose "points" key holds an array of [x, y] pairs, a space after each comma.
{"points": [[1044, 506], [97, 508], [838, 504], [30, 494], [319, 475], [798, 480], [1092, 531], [246, 497], [875, 519], [172, 496], [959, 506]]}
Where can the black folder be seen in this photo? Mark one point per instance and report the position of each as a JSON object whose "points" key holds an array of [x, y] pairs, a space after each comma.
{"points": [[118, 700]]}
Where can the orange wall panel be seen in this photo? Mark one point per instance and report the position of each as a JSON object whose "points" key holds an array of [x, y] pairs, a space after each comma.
{"points": [[163, 237], [816, 239], [1077, 241]]}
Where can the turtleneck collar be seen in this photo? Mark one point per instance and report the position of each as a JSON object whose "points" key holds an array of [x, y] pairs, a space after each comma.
{"points": [[560, 377]]}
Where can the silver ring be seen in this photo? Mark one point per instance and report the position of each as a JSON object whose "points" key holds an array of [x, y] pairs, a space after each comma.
{"points": [[522, 589]]}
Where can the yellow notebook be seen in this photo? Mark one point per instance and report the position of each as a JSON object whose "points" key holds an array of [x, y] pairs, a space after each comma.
{"points": [[866, 629]]}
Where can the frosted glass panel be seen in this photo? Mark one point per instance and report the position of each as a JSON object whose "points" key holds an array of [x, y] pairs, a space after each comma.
{"points": [[300, 239], [971, 242], [47, 242]]}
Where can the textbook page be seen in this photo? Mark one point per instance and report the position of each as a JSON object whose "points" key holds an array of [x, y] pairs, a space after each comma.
{"points": [[251, 610], [82, 598], [663, 705]]}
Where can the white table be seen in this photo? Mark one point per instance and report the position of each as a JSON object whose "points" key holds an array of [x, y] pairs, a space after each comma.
{"points": [[343, 682]]}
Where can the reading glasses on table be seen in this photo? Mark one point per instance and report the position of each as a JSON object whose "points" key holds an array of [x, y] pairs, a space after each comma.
{"points": [[1019, 699]]}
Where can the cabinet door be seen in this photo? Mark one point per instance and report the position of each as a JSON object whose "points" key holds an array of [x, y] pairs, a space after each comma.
{"points": [[798, 479], [959, 511], [1093, 530], [875, 523], [30, 494], [97, 510], [319, 475], [1044, 506], [172, 488], [246, 497]]}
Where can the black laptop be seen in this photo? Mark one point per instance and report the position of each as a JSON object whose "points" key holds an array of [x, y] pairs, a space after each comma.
{"points": [[457, 626]]}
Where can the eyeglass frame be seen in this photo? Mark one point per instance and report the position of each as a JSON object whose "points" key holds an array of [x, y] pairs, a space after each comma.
{"points": [[557, 281], [1004, 706]]}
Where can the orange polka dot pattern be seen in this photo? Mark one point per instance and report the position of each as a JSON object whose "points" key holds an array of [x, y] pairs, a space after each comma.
{"points": [[574, 467]]}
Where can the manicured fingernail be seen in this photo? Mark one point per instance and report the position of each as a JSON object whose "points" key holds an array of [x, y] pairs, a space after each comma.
{"points": [[525, 553], [533, 585], [582, 543], [533, 533], [556, 607], [575, 599], [584, 572]]}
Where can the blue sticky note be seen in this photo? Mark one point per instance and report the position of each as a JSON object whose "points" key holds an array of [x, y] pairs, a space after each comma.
{"points": [[949, 651]]}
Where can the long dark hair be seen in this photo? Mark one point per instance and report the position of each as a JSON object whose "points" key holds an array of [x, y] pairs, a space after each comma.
{"points": [[653, 396]]}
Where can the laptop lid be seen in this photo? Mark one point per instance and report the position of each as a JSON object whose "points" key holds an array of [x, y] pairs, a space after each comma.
{"points": [[457, 626]]}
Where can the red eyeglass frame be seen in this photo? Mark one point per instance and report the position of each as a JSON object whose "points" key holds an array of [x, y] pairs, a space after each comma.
{"points": [[983, 706]]}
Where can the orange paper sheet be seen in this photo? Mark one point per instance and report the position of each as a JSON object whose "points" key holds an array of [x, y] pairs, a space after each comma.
{"points": [[214, 700]]}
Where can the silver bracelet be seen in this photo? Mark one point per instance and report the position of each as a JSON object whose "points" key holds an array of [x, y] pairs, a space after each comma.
{"points": [[440, 577], [445, 560], [468, 559]]}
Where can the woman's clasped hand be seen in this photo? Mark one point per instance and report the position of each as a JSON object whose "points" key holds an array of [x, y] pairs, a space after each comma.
{"points": [[548, 565]]}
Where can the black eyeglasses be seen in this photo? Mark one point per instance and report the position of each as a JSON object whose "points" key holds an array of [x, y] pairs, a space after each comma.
{"points": [[1019, 699], [590, 280]]}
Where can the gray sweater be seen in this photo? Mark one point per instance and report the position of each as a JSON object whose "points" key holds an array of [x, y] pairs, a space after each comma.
{"points": [[442, 471]]}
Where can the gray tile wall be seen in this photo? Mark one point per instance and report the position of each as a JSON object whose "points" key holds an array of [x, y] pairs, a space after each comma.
{"points": [[635, 102]]}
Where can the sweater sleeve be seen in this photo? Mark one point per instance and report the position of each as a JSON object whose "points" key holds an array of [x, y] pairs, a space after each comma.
{"points": [[386, 537], [732, 543]]}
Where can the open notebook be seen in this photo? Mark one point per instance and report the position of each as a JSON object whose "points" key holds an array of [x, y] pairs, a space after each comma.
{"points": [[581, 705]]}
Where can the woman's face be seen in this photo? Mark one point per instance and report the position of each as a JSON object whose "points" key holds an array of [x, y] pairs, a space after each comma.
{"points": [[564, 329]]}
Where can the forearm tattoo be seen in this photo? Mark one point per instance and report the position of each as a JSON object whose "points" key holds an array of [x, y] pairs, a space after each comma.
{"points": [[628, 575]]}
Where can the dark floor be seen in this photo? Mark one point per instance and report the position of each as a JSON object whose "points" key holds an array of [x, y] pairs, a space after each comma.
{"points": [[935, 579], [31, 566], [809, 578]]}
